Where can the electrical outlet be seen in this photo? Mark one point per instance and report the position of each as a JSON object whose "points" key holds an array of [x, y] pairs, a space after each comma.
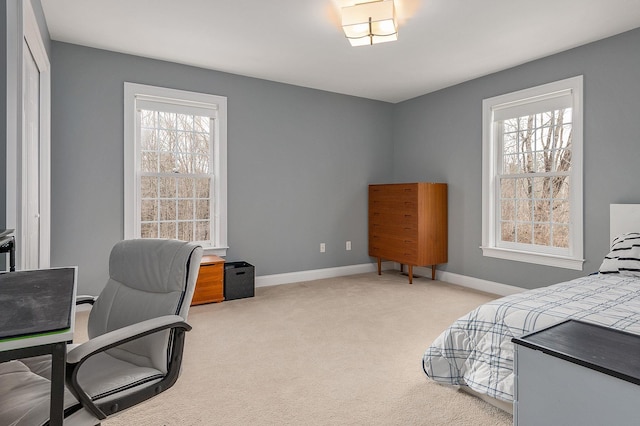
{"points": [[322, 248], [348, 246]]}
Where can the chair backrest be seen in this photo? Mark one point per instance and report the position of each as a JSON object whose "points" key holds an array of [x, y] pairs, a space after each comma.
{"points": [[148, 278]]}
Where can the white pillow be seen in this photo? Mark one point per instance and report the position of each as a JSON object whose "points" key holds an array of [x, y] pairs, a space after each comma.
{"points": [[624, 258]]}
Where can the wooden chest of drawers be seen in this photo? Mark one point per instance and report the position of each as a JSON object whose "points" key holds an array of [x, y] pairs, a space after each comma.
{"points": [[210, 284], [408, 224]]}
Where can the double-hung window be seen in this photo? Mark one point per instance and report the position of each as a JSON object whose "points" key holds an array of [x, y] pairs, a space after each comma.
{"points": [[175, 166], [532, 175]]}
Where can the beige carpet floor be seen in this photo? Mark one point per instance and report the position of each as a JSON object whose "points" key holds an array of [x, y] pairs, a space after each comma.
{"points": [[342, 351]]}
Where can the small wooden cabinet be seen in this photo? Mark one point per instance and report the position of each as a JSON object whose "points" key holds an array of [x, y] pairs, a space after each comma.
{"points": [[408, 224], [576, 373], [210, 284]]}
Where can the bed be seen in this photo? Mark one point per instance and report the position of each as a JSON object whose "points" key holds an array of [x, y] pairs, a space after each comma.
{"points": [[476, 352]]}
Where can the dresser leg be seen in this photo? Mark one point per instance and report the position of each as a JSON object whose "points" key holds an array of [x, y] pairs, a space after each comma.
{"points": [[410, 274], [379, 266], [433, 272]]}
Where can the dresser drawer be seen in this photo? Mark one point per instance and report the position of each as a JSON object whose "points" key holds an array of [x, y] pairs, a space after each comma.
{"points": [[404, 255], [398, 229], [394, 218], [395, 240], [395, 243], [404, 205], [394, 193]]}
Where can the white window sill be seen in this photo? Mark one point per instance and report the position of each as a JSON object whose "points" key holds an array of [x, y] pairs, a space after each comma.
{"points": [[537, 258], [218, 251]]}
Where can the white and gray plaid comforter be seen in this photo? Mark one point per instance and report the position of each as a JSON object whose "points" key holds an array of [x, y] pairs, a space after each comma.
{"points": [[476, 350]]}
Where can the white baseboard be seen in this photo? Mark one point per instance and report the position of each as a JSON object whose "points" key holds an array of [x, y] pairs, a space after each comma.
{"points": [[450, 277], [471, 282], [317, 274]]}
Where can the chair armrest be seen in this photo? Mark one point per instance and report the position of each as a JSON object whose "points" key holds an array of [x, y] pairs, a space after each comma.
{"points": [[78, 355], [85, 299], [123, 335]]}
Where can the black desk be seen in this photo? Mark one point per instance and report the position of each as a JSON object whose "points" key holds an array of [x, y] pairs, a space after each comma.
{"points": [[8, 245], [37, 317]]}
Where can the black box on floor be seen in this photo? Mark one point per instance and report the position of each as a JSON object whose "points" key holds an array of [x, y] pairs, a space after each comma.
{"points": [[238, 280]]}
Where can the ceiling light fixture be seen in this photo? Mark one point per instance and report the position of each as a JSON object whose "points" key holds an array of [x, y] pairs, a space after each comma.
{"points": [[370, 23]]}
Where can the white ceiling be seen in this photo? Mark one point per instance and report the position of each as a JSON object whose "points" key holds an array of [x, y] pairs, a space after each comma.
{"points": [[441, 42]]}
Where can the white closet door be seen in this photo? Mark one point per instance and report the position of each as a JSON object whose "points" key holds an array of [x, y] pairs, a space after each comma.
{"points": [[31, 161]]}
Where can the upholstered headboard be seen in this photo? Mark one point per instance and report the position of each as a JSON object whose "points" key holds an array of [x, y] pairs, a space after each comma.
{"points": [[623, 218]]}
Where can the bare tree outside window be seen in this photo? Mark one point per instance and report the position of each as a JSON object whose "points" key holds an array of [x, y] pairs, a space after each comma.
{"points": [[175, 179], [534, 180]]}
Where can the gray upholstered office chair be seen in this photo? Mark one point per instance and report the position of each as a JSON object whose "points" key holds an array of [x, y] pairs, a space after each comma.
{"points": [[136, 331]]}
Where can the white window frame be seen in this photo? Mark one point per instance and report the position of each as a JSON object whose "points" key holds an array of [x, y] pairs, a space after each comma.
{"points": [[135, 93], [491, 154]]}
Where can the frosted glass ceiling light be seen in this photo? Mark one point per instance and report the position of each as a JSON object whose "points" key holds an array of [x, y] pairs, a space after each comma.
{"points": [[370, 23]]}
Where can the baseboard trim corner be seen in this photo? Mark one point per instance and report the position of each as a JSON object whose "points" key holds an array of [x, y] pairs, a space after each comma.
{"points": [[317, 274]]}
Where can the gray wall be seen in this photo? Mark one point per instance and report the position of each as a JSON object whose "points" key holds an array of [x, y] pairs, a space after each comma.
{"points": [[438, 137], [299, 161]]}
